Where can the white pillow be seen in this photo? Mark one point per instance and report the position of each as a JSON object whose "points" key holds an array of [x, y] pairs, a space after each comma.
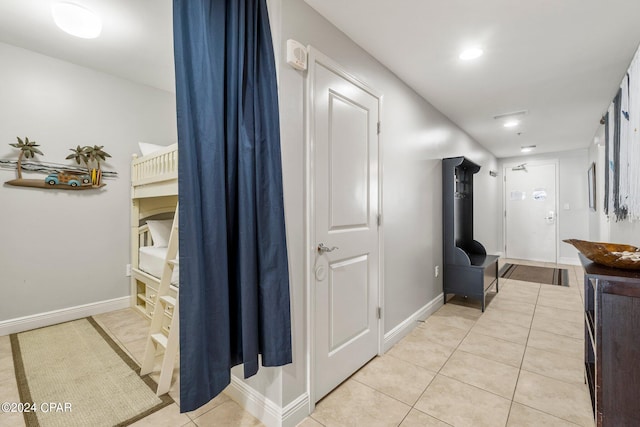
{"points": [[160, 231], [146, 148]]}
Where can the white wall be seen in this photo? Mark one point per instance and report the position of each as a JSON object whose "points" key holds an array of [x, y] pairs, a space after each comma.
{"points": [[573, 223], [66, 248], [598, 221], [415, 137]]}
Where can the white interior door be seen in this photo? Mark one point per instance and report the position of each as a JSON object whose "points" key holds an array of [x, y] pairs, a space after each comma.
{"points": [[345, 210], [531, 212]]}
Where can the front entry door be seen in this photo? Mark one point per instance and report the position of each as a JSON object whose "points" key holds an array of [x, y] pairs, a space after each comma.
{"points": [[344, 115], [530, 194]]}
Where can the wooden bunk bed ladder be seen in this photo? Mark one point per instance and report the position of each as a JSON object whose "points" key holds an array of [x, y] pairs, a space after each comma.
{"points": [[164, 339]]}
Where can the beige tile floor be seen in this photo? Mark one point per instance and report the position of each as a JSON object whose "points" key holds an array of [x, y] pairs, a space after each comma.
{"points": [[517, 364]]}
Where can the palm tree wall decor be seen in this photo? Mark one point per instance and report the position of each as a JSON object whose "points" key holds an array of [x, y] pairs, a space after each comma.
{"points": [[27, 150], [60, 177], [79, 155], [95, 154]]}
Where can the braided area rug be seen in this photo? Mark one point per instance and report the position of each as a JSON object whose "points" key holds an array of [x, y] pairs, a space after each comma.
{"points": [[74, 374]]}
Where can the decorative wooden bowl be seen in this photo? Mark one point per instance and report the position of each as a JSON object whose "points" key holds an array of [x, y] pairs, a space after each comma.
{"points": [[603, 253]]}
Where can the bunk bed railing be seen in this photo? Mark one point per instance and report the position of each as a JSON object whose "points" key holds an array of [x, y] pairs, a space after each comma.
{"points": [[159, 166], [144, 236]]}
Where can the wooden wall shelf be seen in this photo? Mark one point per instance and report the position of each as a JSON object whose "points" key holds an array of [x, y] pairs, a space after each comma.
{"points": [[39, 183]]}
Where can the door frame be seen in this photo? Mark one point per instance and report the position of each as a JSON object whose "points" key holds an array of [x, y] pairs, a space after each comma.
{"points": [[510, 165], [315, 56]]}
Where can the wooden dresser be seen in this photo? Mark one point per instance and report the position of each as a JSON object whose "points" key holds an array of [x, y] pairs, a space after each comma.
{"points": [[612, 343]]}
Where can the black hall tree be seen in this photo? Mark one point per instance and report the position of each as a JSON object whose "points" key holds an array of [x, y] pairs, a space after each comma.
{"points": [[468, 270]]}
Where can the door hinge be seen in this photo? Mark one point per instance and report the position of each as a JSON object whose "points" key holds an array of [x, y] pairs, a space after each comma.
{"points": [[378, 128], [379, 313], [379, 220]]}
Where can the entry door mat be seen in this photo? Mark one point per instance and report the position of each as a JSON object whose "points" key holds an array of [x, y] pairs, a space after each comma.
{"points": [[74, 374], [544, 275]]}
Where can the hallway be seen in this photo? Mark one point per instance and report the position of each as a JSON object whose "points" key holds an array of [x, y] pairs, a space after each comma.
{"points": [[518, 364]]}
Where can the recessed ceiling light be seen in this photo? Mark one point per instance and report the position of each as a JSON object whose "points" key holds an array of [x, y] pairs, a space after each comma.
{"points": [[471, 53], [527, 148], [511, 123], [76, 20]]}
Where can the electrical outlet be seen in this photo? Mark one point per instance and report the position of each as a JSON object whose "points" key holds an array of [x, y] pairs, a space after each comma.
{"points": [[436, 271], [128, 270]]}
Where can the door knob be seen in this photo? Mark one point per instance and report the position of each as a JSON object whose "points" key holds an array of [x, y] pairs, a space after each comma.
{"points": [[322, 248]]}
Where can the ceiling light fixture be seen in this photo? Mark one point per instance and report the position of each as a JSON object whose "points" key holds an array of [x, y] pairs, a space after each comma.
{"points": [[511, 123], [527, 148], [76, 20], [471, 53], [511, 115]]}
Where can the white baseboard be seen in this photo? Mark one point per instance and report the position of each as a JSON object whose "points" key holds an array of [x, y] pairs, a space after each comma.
{"points": [[296, 411], [21, 324], [264, 409], [407, 325], [272, 415], [569, 260]]}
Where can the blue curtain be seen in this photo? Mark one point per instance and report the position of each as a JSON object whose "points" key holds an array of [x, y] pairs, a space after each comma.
{"points": [[234, 280]]}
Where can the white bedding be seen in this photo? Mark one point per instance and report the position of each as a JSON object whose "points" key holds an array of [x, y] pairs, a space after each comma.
{"points": [[151, 260]]}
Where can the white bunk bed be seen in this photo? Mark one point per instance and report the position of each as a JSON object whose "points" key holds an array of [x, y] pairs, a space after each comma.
{"points": [[154, 195], [154, 284]]}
